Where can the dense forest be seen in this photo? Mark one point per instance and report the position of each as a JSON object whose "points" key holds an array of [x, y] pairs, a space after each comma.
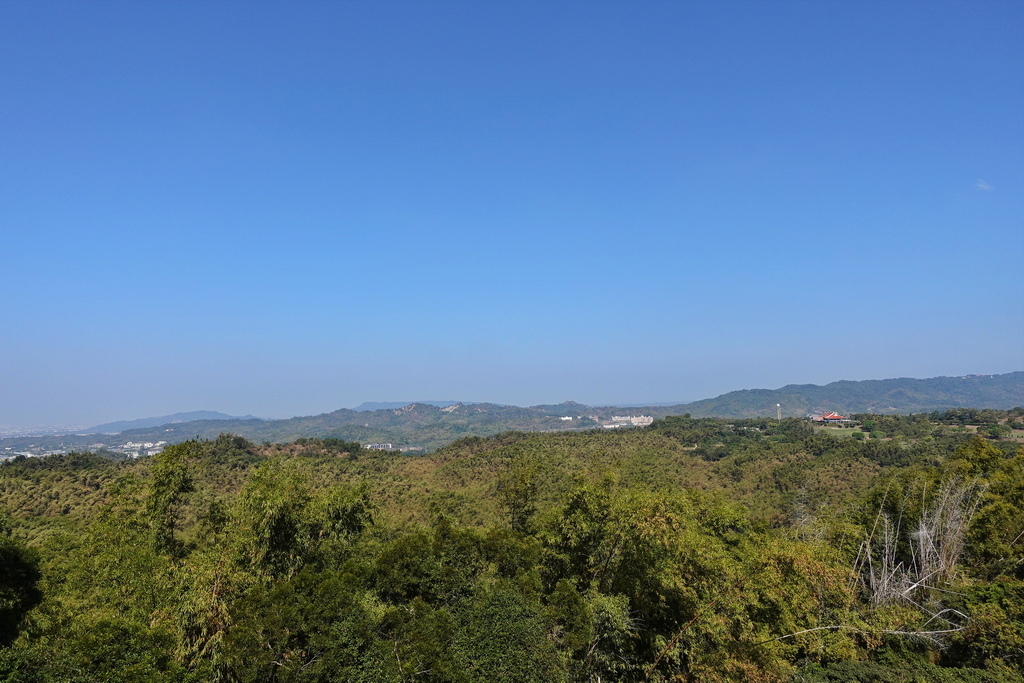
{"points": [[696, 549]]}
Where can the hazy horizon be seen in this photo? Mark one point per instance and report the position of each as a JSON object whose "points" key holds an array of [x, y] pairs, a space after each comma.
{"points": [[283, 209], [45, 428]]}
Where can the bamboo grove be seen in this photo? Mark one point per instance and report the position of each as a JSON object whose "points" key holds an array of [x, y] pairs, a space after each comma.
{"points": [[692, 550]]}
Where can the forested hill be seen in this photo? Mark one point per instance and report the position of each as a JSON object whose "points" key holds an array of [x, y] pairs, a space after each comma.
{"points": [[432, 426], [696, 549], [883, 396]]}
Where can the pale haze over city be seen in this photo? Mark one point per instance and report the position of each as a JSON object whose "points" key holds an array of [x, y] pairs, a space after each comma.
{"points": [[283, 209]]}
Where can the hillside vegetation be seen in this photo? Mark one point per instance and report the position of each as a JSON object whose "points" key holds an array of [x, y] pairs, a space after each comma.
{"points": [[429, 427], [883, 396], [693, 550]]}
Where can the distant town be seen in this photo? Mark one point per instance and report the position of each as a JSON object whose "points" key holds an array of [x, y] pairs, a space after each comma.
{"points": [[129, 449]]}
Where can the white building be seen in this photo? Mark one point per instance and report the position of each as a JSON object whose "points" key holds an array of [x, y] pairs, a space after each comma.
{"points": [[632, 420]]}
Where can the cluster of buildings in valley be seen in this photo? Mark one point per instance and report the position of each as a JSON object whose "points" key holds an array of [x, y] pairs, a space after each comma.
{"points": [[616, 421], [391, 447], [129, 449], [628, 421], [138, 449]]}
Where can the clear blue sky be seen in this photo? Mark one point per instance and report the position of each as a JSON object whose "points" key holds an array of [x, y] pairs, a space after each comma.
{"points": [[287, 208]]}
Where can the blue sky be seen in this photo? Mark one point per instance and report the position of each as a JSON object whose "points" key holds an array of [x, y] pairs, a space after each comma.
{"points": [[289, 208]]}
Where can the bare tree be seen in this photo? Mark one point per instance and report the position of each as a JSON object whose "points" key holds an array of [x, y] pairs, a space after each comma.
{"points": [[936, 544]]}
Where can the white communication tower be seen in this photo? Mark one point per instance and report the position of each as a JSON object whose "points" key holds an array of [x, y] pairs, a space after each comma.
{"points": [[778, 412]]}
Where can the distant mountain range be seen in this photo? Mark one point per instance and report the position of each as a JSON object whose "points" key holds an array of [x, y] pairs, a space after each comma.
{"points": [[391, 405], [904, 395], [431, 425], [124, 425]]}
